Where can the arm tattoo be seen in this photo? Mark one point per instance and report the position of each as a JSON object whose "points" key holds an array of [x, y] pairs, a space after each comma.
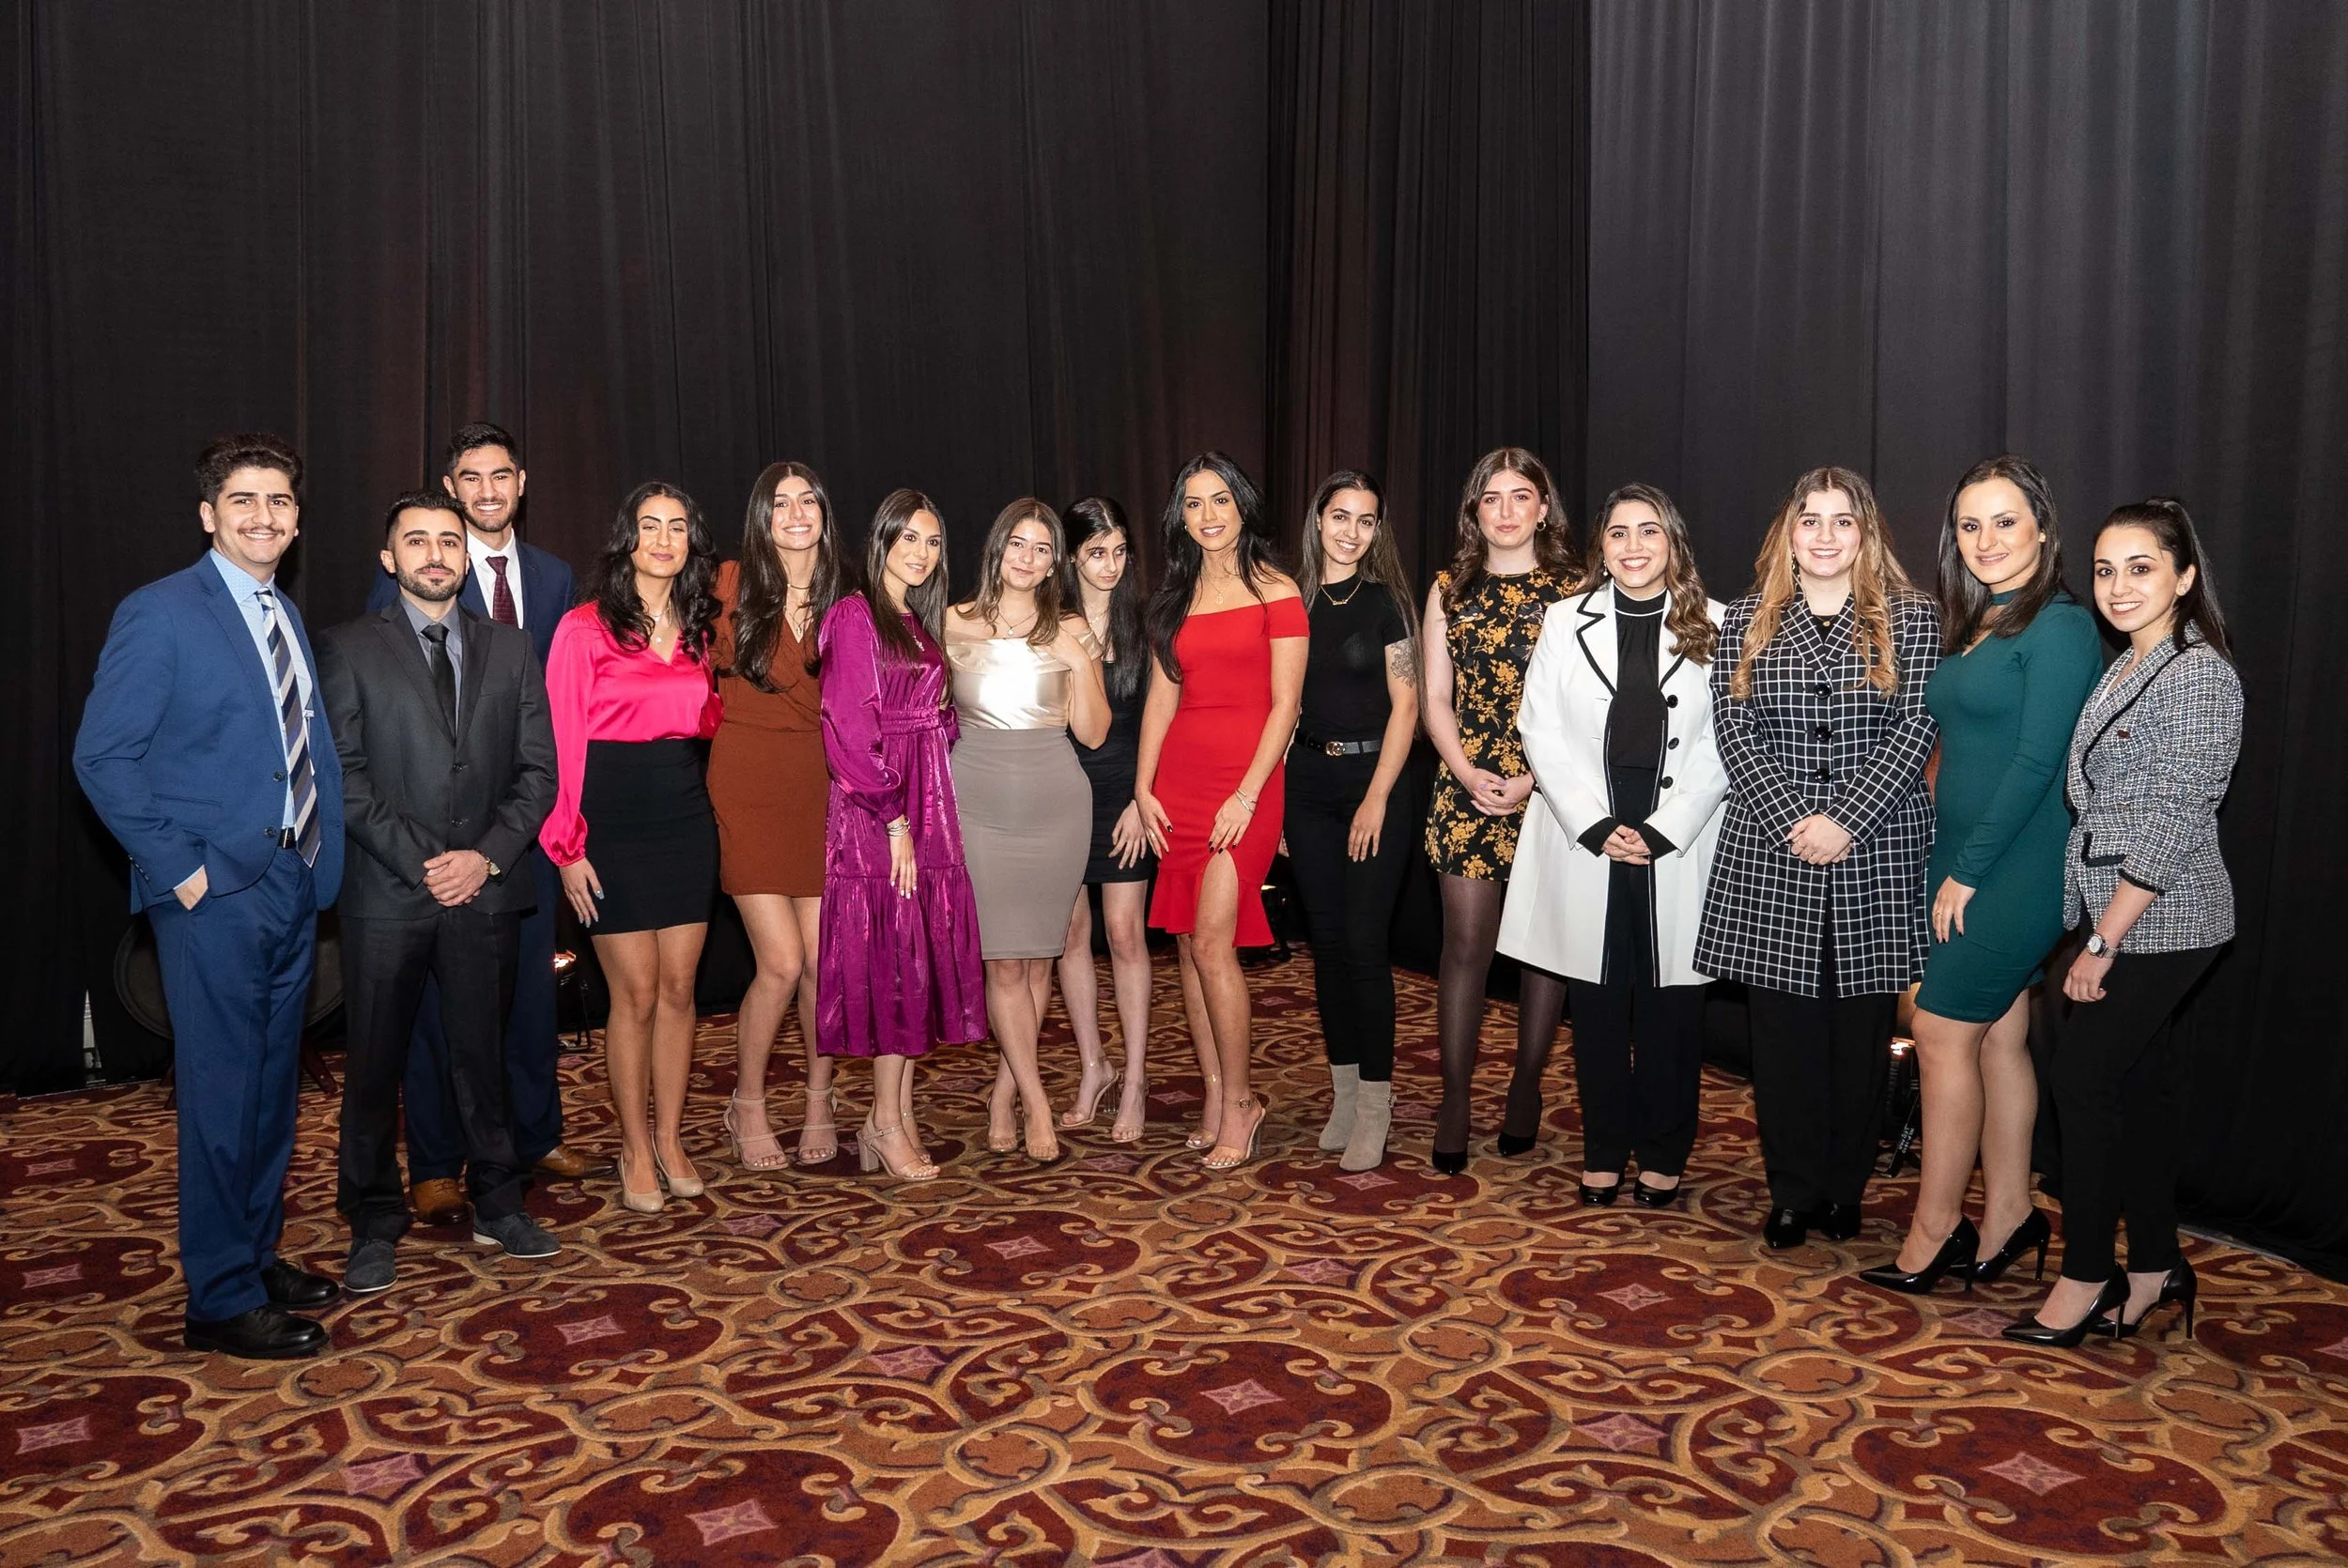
{"points": [[1398, 664]]}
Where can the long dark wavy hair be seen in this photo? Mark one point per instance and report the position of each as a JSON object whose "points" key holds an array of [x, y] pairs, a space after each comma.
{"points": [[1128, 664], [1552, 542], [1964, 605], [987, 602], [1381, 564], [1169, 606], [764, 590], [927, 602], [1877, 582], [623, 608], [2166, 519], [1692, 632]]}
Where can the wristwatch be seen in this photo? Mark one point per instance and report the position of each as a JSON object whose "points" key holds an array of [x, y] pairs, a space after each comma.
{"points": [[2096, 946], [496, 870]]}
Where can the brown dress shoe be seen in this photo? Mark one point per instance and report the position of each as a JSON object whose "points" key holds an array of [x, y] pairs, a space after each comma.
{"points": [[438, 1202], [564, 1163]]}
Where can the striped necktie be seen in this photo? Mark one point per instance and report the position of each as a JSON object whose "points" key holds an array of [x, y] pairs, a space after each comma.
{"points": [[298, 771]]}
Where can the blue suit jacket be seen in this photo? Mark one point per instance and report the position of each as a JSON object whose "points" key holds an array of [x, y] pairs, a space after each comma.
{"points": [[181, 750], [548, 590]]}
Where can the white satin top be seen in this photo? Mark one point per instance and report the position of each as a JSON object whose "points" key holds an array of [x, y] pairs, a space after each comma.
{"points": [[1007, 683]]}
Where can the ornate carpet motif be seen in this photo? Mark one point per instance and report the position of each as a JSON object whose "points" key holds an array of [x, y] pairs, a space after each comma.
{"points": [[1125, 1360]]}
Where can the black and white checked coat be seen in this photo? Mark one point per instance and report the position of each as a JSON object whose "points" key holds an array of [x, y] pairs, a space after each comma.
{"points": [[2150, 762], [1816, 736]]}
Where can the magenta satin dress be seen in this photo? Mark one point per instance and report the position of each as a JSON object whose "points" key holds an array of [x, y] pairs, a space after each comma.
{"points": [[893, 976]]}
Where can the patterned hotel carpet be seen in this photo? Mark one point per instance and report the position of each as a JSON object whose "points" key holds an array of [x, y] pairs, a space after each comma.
{"points": [[1126, 1359]]}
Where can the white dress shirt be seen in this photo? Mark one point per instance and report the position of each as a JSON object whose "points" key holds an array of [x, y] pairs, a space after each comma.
{"points": [[485, 578]]}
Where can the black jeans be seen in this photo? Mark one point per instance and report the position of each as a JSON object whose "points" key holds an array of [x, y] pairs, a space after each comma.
{"points": [[472, 955], [2115, 1094], [1819, 1067], [1348, 904], [1638, 1058]]}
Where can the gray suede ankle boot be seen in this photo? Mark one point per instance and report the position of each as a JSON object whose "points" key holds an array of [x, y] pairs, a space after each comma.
{"points": [[1342, 1082], [1373, 1114]]}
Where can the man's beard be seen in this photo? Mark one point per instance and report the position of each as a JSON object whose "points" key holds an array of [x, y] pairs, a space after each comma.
{"points": [[430, 594]]}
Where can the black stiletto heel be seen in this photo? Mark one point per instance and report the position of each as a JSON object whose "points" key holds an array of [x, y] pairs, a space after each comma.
{"points": [[2032, 1232], [1955, 1256], [2181, 1286], [1447, 1161], [2029, 1331], [1511, 1145], [1600, 1197]]}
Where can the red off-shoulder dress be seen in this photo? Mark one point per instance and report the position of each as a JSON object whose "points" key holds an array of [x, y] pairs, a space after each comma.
{"points": [[1226, 659]]}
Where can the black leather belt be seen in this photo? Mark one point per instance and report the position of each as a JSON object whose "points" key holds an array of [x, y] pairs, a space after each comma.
{"points": [[1342, 749]]}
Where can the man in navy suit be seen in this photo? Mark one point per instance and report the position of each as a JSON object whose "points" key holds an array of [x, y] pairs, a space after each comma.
{"points": [[207, 753], [516, 585]]}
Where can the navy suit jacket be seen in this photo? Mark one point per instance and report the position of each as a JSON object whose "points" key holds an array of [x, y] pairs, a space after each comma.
{"points": [[548, 590], [181, 750]]}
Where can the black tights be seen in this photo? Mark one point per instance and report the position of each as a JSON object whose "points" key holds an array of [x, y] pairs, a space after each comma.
{"points": [[1471, 931]]}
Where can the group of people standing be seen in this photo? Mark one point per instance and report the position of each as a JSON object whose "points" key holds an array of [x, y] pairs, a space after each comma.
{"points": [[914, 800]]}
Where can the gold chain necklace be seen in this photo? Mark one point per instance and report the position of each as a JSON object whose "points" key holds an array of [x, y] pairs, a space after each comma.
{"points": [[1349, 596]]}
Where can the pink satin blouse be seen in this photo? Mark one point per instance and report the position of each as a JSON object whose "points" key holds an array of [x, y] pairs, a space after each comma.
{"points": [[598, 690]]}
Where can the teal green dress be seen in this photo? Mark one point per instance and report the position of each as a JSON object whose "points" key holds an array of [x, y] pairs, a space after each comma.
{"points": [[2005, 709]]}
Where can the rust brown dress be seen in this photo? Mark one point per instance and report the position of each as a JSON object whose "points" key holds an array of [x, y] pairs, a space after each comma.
{"points": [[768, 780]]}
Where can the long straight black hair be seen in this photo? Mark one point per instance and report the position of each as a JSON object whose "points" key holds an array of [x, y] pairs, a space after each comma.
{"points": [[927, 602], [2166, 519], [1128, 664], [1169, 606], [616, 599], [760, 599], [1965, 605]]}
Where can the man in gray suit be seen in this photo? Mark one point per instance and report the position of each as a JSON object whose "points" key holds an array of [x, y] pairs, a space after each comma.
{"points": [[440, 716]]}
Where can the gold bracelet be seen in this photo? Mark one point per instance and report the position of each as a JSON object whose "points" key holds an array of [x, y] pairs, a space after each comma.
{"points": [[899, 828]]}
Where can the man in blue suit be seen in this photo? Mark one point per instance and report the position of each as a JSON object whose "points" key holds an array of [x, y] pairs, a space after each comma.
{"points": [[207, 753], [516, 585]]}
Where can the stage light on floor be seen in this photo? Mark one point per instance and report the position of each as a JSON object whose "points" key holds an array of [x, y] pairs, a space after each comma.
{"points": [[571, 980]]}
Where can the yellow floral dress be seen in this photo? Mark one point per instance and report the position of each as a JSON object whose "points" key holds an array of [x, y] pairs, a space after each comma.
{"points": [[1490, 639]]}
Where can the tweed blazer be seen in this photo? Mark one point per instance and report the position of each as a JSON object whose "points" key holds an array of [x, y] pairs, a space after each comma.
{"points": [[1817, 737], [2150, 760]]}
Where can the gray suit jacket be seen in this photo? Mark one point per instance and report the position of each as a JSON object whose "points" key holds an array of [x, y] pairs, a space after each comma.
{"points": [[414, 788], [2150, 762]]}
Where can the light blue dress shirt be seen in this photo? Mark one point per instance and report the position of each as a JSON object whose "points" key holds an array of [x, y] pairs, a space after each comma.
{"points": [[246, 592]]}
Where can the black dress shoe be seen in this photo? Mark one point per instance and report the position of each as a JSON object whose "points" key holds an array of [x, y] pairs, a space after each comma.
{"points": [[2029, 1331], [2032, 1232], [1511, 1145], [263, 1334], [1955, 1254], [2181, 1286], [1447, 1161], [1647, 1196], [295, 1289], [1839, 1221], [1787, 1226], [1599, 1197]]}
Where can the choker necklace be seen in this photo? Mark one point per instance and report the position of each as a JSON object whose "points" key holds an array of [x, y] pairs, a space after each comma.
{"points": [[1349, 598]]}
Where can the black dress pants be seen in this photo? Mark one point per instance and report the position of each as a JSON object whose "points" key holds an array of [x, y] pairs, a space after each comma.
{"points": [[2116, 1093], [1349, 903], [1819, 1068], [472, 956], [1638, 1059]]}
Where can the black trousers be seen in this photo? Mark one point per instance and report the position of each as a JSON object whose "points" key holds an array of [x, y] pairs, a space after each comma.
{"points": [[1819, 1068], [1638, 1058], [1349, 903], [533, 1053], [2116, 1093], [385, 963]]}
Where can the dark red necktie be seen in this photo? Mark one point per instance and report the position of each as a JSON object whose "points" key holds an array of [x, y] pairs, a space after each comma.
{"points": [[502, 604]]}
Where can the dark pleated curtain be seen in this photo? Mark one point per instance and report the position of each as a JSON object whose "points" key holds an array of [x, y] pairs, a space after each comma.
{"points": [[1903, 236], [982, 249], [1426, 246]]}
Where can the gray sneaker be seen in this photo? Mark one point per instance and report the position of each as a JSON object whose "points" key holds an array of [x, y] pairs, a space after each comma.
{"points": [[371, 1269], [518, 1234]]}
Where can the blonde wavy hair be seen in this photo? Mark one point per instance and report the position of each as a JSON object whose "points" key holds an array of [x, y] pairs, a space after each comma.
{"points": [[1876, 580]]}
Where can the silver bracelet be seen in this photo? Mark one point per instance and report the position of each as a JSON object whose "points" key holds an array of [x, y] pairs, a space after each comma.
{"points": [[899, 828]]}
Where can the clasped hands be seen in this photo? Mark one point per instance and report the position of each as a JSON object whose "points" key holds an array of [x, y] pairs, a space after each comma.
{"points": [[1494, 796], [1818, 840], [456, 876]]}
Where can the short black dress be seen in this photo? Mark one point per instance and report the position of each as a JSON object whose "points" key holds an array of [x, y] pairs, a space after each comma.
{"points": [[1110, 765]]}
